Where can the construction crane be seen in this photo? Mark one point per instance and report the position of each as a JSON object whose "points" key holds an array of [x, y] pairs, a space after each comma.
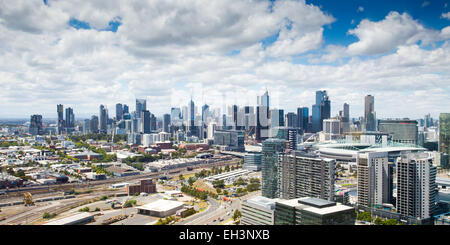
{"points": [[249, 132], [27, 199]]}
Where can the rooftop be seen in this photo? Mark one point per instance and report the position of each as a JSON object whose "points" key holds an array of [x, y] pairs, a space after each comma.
{"points": [[70, 219], [316, 202], [261, 201], [162, 205]]}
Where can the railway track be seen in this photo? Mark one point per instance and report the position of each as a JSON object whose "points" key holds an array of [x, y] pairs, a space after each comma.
{"points": [[67, 187]]}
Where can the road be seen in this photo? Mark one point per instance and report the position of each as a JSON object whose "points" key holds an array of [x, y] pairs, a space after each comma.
{"points": [[217, 210]]}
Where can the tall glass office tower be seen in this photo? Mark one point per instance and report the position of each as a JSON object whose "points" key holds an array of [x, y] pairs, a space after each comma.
{"points": [[270, 150]]}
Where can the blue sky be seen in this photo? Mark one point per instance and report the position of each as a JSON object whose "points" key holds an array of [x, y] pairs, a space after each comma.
{"points": [[86, 53]]}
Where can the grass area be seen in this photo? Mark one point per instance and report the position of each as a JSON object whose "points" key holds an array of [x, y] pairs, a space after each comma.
{"points": [[343, 185], [201, 205]]}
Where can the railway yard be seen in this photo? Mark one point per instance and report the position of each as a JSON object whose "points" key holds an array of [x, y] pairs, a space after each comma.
{"points": [[55, 200]]}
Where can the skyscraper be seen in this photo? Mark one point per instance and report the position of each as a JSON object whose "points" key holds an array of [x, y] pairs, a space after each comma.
{"points": [[262, 117], [36, 127], [166, 122], [262, 123], [303, 118], [416, 185], [305, 175], [70, 120], [103, 115], [125, 109], [141, 105], [119, 112], [94, 125], [264, 99], [152, 122], [61, 123], [192, 128], [276, 120], [345, 118], [175, 113], [146, 122], [321, 110], [270, 150], [86, 126], [292, 120], [444, 134], [369, 113], [375, 179]]}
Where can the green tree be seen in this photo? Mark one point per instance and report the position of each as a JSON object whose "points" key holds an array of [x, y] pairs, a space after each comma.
{"points": [[240, 181], [378, 221], [364, 216], [191, 181], [237, 214], [218, 184], [391, 222]]}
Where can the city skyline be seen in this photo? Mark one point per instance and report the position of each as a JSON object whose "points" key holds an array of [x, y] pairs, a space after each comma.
{"points": [[81, 59]]}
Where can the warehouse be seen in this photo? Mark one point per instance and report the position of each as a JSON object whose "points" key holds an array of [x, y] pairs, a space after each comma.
{"points": [[161, 208], [77, 219]]}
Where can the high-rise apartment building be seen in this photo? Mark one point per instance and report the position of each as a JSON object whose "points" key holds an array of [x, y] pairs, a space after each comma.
{"points": [[305, 175], [271, 148], [375, 179], [416, 186], [444, 134]]}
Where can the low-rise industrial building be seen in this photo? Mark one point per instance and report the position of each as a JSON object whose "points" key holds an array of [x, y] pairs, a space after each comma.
{"points": [[73, 220], [121, 172], [145, 185], [160, 208]]}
